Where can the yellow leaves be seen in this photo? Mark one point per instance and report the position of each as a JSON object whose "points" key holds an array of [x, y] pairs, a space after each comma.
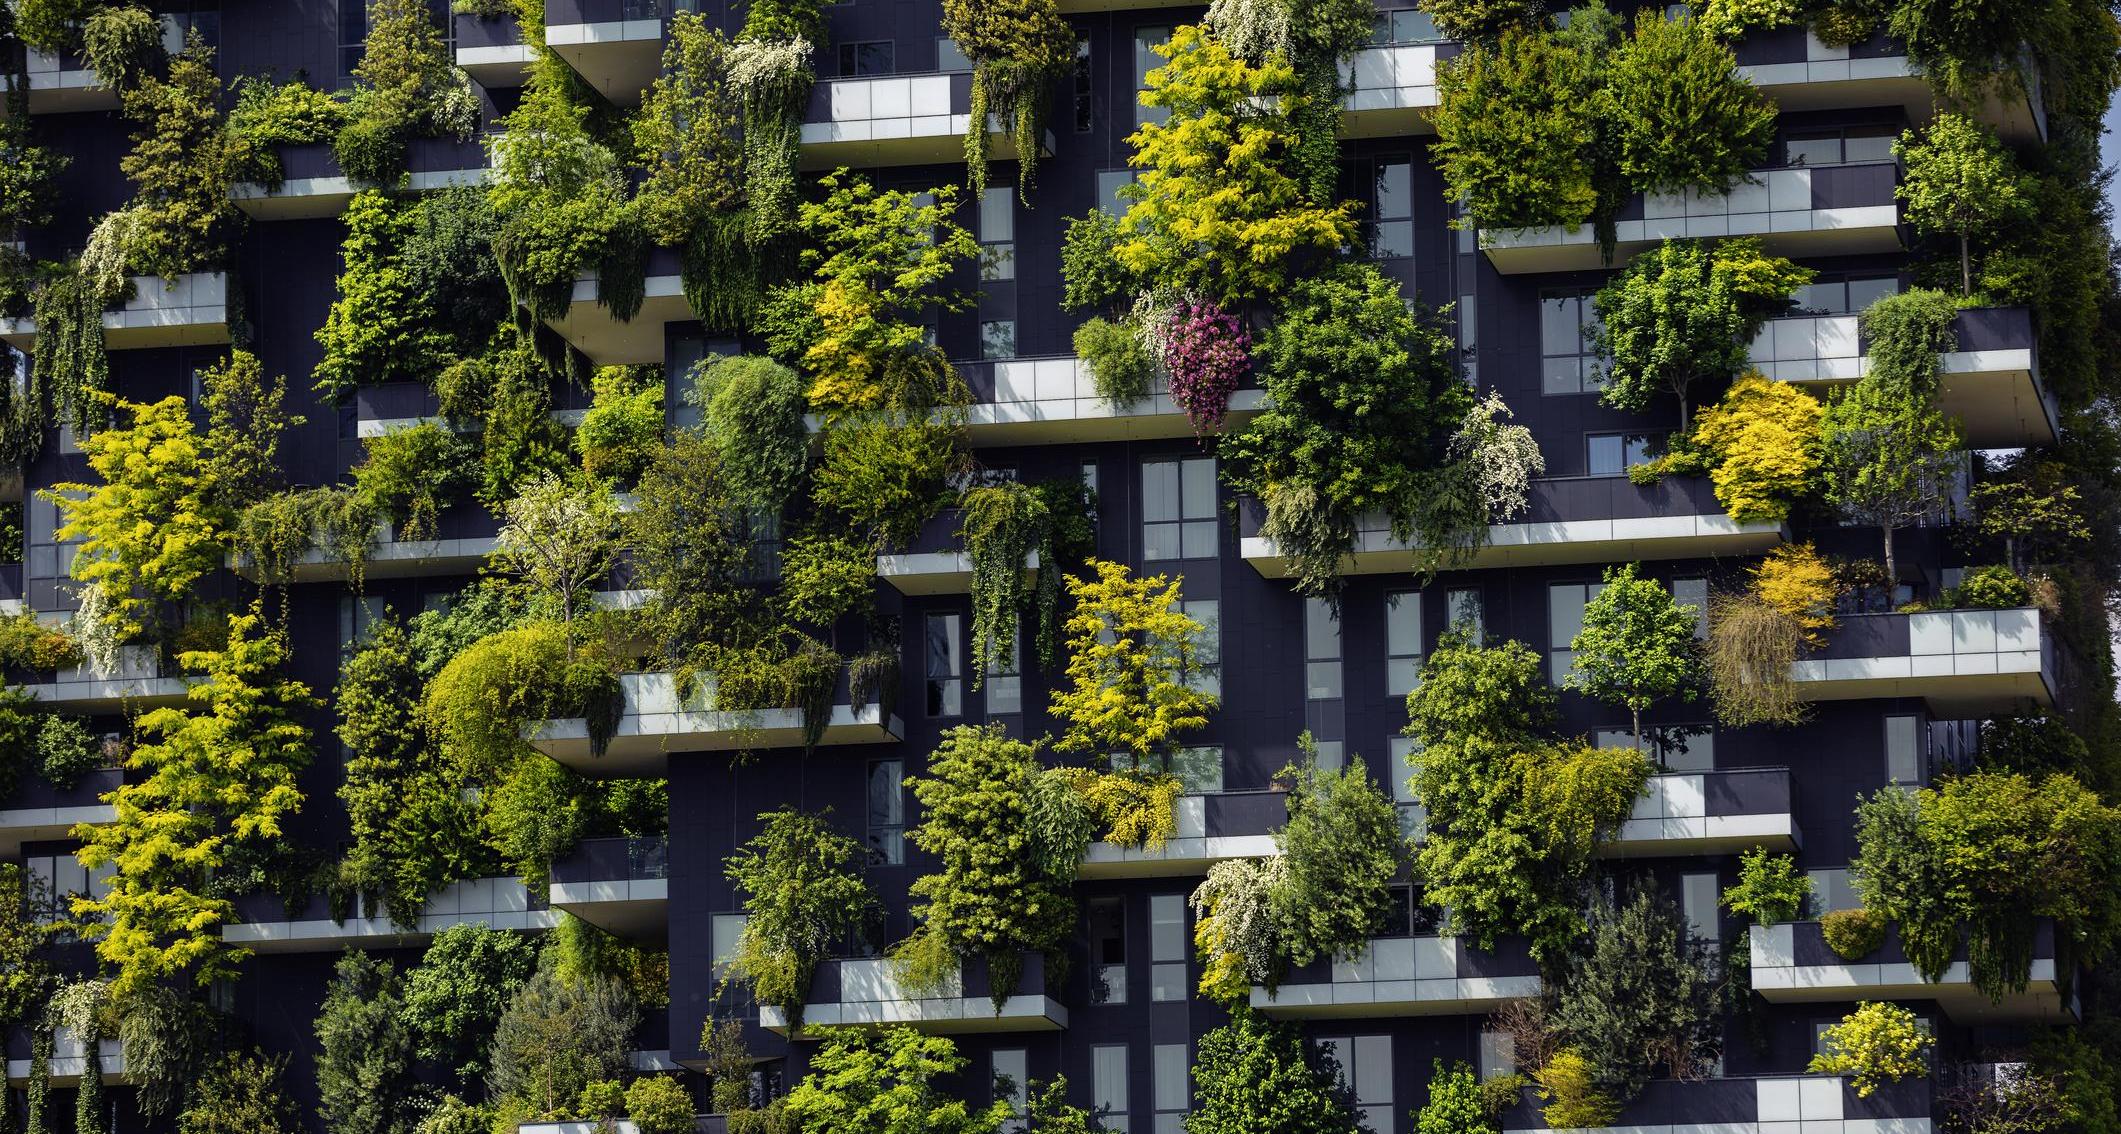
{"points": [[1131, 653], [1796, 580], [1762, 442]]}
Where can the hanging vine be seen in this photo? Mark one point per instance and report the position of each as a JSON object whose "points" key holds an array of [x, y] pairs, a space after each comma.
{"points": [[1018, 49], [770, 69]]}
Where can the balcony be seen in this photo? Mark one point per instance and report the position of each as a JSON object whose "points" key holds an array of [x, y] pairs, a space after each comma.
{"points": [[657, 722], [1792, 965], [1392, 88], [265, 925], [192, 310], [65, 84], [1405, 976], [1210, 829], [1817, 1103], [937, 563], [615, 45], [621, 886], [38, 812], [141, 681], [855, 993], [1991, 383], [1834, 210], [1053, 400], [895, 120], [591, 328], [464, 538], [1965, 663], [313, 187], [70, 1059], [1570, 520], [387, 407], [491, 50], [1792, 67], [1698, 813]]}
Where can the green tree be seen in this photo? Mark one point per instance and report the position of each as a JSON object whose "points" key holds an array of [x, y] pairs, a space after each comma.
{"points": [[364, 1065], [1888, 457], [1363, 395], [1685, 313], [802, 894], [25, 976], [381, 327], [1770, 889], [246, 418], [1455, 1104], [1876, 1044], [558, 1036], [154, 526], [1636, 647], [216, 781], [1647, 996], [1131, 654], [182, 165], [1214, 210], [1255, 1074], [1341, 850], [754, 417], [884, 1082], [1959, 181], [561, 537], [1517, 132], [2033, 508], [455, 997], [239, 1094], [623, 427], [1680, 113]]}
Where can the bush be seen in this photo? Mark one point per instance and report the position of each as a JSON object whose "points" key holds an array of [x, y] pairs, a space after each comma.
{"points": [[123, 43], [604, 1099], [754, 418], [658, 1105], [1646, 996], [1456, 1104], [1120, 366], [1796, 581], [1761, 443], [1988, 588], [1876, 1044], [1573, 1099], [410, 475], [26, 644], [1256, 1074], [1750, 650], [67, 751], [1769, 888], [1852, 934]]}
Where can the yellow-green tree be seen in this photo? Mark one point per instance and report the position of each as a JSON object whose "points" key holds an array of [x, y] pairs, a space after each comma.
{"points": [[1216, 210], [219, 776], [1131, 651], [1761, 443]]}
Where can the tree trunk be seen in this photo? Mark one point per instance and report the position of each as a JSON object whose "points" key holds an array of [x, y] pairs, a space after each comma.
{"points": [[1966, 268], [1892, 568], [1637, 715]]}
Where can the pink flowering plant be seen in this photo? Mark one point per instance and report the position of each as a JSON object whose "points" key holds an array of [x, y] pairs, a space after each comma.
{"points": [[1207, 352]]}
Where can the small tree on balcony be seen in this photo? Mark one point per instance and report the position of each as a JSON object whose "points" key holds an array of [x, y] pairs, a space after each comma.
{"points": [[1680, 113], [886, 1082], [1133, 654], [1889, 458], [1646, 997], [1636, 647], [562, 538], [1256, 1074], [1960, 182], [802, 894], [364, 1067]]}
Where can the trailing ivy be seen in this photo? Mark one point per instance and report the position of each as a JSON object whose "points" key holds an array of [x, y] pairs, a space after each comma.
{"points": [[1004, 524], [1018, 48], [770, 68], [696, 197]]}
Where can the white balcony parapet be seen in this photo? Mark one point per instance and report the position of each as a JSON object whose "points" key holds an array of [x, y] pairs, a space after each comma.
{"points": [[656, 722], [933, 572], [897, 120], [191, 310], [63, 86], [1399, 976], [497, 903], [1048, 400], [1391, 90], [1676, 815], [1783, 1104], [1964, 662], [310, 198], [70, 1060], [870, 995], [138, 682], [1790, 964], [606, 340], [1191, 850]]}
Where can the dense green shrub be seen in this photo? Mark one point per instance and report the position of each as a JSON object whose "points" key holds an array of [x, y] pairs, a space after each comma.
{"points": [[239, 1094], [885, 1081], [1255, 1074], [380, 328], [1994, 587], [557, 1037], [1636, 647], [268, 115], [182, 165], [754, 419], [624, 424], [1455, 1104], [1517, 131], [658, 1105], [456, 995], [364, 1070], [1092, 277], [1120, 367], [1770, 888], [27, 644], [802, 894], [1646, 997], [405, 86], [1852, 934], [1681, 114], [123, 44], [67, 750]]}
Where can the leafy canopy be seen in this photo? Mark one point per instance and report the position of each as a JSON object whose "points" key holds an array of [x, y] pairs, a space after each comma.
{"points": [[1255, 1074], [1132, 652], [1636, 647], [802, 894], [886, 1082]]}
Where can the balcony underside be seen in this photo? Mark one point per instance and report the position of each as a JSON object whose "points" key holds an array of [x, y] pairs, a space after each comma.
{"points": [[951, 1015], [1844, 84], [47, 824], [498, 67], [1995, 394], [69, 92], [868, 144], [620, 58], [644, 741], [393, 560], [65, 1070], [2042, 1001], [1079, 7], [322, 935], [636, 908], [1465, 996], [1955, 686], [1178, 858], [1701, 835], [1393, 113], [1054, 421], [311, 198], [591, 328], [1555, 543], [933, 572]]}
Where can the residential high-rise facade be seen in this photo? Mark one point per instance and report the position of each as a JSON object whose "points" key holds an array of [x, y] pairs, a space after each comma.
{"points": [[576, 220]]}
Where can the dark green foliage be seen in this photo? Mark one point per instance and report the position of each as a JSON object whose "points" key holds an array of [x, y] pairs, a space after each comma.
{"points": [[754, 419], [1906, 333], [123, 44], [1680, 114], [240, 1094], [1484, 21], [802, 894], [268, 115], [446, 253], [1255, 1074], [1341, 850], [886, 1082], [2033, 744], [456, 996], [67, 750], [364, 1067], [1517, 132], [557, 1037], [1852, 934], [380, 328], [1646, 997], [1004, 524]]}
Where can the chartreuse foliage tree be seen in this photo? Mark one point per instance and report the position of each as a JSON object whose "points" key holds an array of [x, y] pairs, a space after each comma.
{"points": [[1215, 211], [561, 537], [1761, 445], [240, 1093], [1960, 182], [1514, 815], [365, 1061], [1363, 398], [1684, 314], [1018, 49], [1132, 652], [1255, 1073], [1876, 1044], [802, 893], [216, 781], [886, 1082], [1770, 888], [1636, 647], [1455, 1104], [1517, 131], [1981, 857]]}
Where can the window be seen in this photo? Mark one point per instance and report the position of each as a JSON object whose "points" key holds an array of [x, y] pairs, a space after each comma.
{"points": [[1409, 25], [948, 57], [1839, 146], [1365, 1064], [1463, 610], [1698, 895], [1392, 210], [353, 34], [725, 929], [1694, 593], [1613, 454], [1565, 603], [887, 812], [1005, 681], [1498, 1055], [997, 338], [1105, 928], [1167, 948], [1178, 508], [1146, 41], [997, 234], [1413, 817], [1085, 108], [1172, 1085], [1831, 891], [55, 880], [871, 58], [1199, 770], [1207, 675], [945, 665], [1903, 748], [1402, 642], [1009, 1076], [1321, 651], [1568, 362], [1843, 296], [1676, 748], [1109, 183], [1108, 1086]]}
